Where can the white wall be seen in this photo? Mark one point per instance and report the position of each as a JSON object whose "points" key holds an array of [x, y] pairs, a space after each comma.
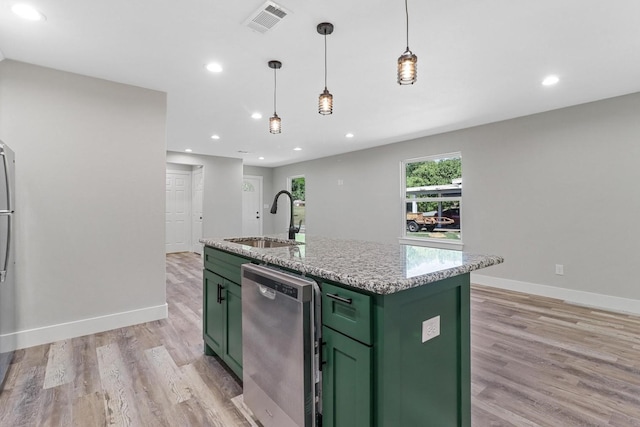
{"points": [[90, 167], [552, 188], [222, 199], [179, 167]]}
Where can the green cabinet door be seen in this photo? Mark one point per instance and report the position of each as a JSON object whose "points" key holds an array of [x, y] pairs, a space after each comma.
{"points": [[233, 327], [213, 320], [346, 376]]}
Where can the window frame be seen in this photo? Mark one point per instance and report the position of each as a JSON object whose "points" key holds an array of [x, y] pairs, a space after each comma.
{"points": [[426, 241], [290, 190]]}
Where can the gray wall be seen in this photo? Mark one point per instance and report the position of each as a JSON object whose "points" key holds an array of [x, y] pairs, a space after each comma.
{"points": [[222, 198], [90, 166], [552, 188]]}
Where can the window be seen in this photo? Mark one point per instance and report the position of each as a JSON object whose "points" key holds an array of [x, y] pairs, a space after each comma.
{"points": [[297, 189], [432, 196]]}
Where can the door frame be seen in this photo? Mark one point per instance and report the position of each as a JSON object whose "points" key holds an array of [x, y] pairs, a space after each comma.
{"points": [[196, 247]]}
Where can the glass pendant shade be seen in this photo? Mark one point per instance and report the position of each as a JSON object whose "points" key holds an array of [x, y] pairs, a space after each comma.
{"points": [[275, 124], [407, 68], [325, 103]]}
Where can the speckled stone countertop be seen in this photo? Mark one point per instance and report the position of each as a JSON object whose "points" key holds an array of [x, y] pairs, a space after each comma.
{"points": [[376, 267]]}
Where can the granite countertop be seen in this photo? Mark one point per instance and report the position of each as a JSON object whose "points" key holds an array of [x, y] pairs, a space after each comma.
{"points": [[381, 268]]}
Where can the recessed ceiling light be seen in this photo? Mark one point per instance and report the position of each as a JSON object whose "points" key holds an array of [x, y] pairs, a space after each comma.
{"points": [[27, 12], [256, 116], [188, 150], [297, 149], [349, 135], [214, 67], [215, 136], [550, 80], [260, 158]]}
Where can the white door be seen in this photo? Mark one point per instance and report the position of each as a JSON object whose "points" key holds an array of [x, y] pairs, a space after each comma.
{"points": [[252, 206], [197, 185], [178, 217]]}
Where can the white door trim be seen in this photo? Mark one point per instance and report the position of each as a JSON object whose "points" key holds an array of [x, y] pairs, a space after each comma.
{"points": [[196, 205]]}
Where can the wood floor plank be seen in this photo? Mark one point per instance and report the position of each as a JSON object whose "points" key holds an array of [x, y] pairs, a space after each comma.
{"points": [[119, 397], [168, 375], [60, 368], [89, 410], [212, 401]]}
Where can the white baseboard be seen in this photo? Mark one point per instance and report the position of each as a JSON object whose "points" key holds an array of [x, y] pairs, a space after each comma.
{"points": [[78, 328], [588, 299]]}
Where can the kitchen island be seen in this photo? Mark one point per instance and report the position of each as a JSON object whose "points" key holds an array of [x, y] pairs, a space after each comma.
{"points": [[395, 324]]}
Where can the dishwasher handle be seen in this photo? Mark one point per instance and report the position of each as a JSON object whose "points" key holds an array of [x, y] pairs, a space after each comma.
{"points": [[266, 292], [341, 299]]}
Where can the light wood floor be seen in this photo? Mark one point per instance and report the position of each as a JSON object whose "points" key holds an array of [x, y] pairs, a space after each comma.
{"points": [[535, 362]]}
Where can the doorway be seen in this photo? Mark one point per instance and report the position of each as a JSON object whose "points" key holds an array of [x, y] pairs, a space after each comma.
{"points": [[252, 205], [184, 207], [178, 212]]}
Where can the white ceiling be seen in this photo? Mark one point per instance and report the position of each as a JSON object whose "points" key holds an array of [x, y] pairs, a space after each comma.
{"points": [[480, 61]]}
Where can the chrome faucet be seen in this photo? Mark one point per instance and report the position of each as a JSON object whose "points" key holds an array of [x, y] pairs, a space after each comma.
{"points": [[274, 208]]}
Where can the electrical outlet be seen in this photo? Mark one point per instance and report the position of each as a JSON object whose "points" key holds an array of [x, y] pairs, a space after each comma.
{"points": [[340, 182], [430, 328], [559, 269]]}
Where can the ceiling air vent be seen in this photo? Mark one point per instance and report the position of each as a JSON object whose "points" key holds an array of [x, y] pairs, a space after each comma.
{"points": [[266, 17]]}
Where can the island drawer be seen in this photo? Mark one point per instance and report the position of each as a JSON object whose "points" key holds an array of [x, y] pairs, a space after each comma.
{"points": [[223, 263], [347, 311]]}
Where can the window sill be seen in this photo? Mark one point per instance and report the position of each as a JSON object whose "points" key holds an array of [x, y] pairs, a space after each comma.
{"points": [[432, 243]]}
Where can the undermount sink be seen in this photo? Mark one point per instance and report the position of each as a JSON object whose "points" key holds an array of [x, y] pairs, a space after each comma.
{"points": [[262, 242]]}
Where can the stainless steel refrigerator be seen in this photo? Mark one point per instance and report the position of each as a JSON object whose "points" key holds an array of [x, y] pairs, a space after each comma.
{"points": [[7, 264]]}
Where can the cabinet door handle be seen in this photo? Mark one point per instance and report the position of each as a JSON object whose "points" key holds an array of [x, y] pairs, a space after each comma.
{"points": [[220, 299], [339, 298]]}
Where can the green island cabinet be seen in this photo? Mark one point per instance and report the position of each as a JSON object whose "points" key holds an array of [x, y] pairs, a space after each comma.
{"points": [[377, 368], [222, 311]]}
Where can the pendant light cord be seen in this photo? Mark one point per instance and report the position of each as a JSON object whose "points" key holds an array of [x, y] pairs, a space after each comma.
{"points": [[325, 59], [406, 10], [275, 87]]}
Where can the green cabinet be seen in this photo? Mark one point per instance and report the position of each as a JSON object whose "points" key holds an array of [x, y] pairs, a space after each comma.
{"points": [[213, 313], [382, 367], [347, 357], [346, 381], [222, 311]]}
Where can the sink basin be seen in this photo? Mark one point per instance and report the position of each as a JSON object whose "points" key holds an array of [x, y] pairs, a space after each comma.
{"points": [[262, 242]]}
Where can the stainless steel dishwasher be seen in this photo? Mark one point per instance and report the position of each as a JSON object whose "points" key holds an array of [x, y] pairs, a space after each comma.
{"points": [[279, 347]]}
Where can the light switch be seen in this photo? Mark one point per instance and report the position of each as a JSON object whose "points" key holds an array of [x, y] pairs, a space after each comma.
{"points": [[430, 328]]}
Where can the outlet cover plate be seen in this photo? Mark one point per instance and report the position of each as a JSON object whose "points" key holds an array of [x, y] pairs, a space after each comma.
{"points": [[430, 328]]}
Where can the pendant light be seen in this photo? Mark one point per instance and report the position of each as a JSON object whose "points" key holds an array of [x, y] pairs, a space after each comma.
{"points": [[275, 124], [325, 102], [407, 62]]}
